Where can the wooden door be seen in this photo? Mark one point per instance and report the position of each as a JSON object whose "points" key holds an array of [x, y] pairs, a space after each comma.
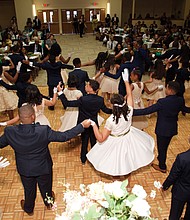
{"points": [[50, 17], [67, 16], [89, 12]]}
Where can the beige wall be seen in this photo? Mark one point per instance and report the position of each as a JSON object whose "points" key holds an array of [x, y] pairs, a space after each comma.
{"points": [[69, 4], [23, 10], [115, 8], [7, 11], [187, 8]]}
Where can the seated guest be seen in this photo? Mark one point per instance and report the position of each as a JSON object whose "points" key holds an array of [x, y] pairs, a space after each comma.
{"points": [[45, 32], [50, 41], [34, 35], [111, 44], [36, 47]]}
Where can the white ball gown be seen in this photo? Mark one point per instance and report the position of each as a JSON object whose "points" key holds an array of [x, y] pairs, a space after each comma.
{"points": [[125, 150], [39, 112], [69, 119]]}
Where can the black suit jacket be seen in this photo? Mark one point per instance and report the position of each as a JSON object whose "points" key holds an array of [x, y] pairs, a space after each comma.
{"points": [[167, 114], [179, 177], [174, 52], [32, 48], [89, 106], [30, 143], [121, 87], [82, 78], [53, 71], [15, 57]]}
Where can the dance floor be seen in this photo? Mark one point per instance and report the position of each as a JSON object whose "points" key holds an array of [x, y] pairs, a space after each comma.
{"points": [[66, 156]]}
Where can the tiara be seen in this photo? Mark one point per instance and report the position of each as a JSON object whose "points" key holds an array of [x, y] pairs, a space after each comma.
{"points": [[117, 105]]}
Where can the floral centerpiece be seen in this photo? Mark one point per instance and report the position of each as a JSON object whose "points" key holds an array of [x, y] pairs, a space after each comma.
{"points": [[106, 201]]}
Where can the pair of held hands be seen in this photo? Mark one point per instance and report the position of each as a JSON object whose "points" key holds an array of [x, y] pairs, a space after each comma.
{"points": [[86, 123], [4, 162]]}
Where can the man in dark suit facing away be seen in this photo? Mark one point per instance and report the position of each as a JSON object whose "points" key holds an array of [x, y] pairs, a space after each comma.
{"points": [[179, 177], [167, 110], [33, 160], [81, 75]]}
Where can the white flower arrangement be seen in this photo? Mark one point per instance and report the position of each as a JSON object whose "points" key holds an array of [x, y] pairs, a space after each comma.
{"points": [[106, 201]]}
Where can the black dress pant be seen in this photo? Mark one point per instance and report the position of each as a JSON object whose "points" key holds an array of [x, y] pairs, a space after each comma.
{"points": [[81, 29], [85, 136], [30, 187], [162, 144], [176, 210], [50, 88]]}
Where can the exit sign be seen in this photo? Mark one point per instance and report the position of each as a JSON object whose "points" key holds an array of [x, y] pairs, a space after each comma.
{"points": [[94, 3], [45, 5]]}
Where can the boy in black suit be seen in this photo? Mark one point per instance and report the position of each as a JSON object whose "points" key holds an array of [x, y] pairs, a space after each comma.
{"points": [[167, 110], [89, 106], [33, 160], [179, 177], [81, 75]]}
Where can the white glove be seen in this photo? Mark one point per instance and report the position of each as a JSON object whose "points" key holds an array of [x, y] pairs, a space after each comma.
{"points": [[3, 162], [55, 90], [125, 50], [7, 58], [92, 122], [160, 87], [125, 75], [3, 123], [18, 66], [70, 54], [0, 78]]}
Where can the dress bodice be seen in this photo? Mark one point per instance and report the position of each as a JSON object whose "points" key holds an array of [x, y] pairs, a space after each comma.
{"points": [[136, 92], [122, 127], [39, 110], [72, 94]]}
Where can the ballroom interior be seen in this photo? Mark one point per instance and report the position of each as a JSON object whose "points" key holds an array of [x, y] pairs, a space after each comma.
{"points": [[67, 167]]}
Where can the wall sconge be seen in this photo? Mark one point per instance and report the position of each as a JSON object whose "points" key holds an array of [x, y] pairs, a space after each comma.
{"points": [[108, 7], [34, 10]]}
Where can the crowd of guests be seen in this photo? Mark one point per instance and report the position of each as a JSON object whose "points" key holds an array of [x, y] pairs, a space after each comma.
{"points": [[118, 73]]}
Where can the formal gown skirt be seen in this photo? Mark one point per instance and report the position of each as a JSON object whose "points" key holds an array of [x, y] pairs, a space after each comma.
{"points": [[9, 100], [69, 119], [124, 154], [109, 85], [156, 95], [41, 118]]}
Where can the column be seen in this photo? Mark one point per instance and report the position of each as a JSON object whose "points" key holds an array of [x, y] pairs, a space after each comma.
{"points": [[133, 10], [115, 8], [23, 9]]}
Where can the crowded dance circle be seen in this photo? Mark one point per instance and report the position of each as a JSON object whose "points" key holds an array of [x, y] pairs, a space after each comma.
{"points": [[94, 110]]}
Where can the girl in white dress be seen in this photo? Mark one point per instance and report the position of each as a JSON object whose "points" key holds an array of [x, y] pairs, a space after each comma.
{"points": [[108, 85], [156, 79], [69, 119], [9, 99], [137, 87], [121, 148], [35, 98]]}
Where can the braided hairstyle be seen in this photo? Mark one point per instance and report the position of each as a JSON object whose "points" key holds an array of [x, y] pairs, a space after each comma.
{"points": [[120, 107]]}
